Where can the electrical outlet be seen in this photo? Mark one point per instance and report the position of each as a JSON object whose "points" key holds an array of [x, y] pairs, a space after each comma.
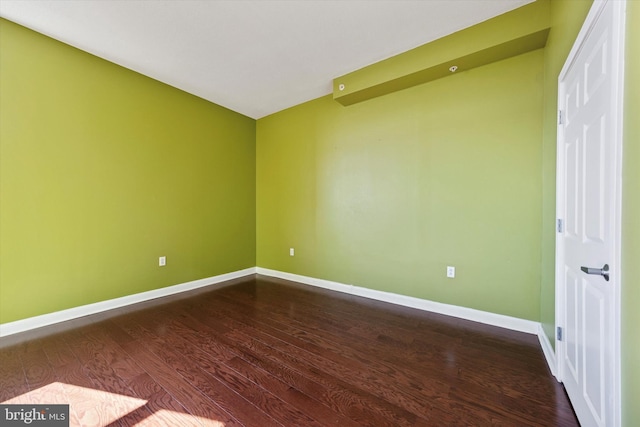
{"points": [[292, 252], [162, 261], [451, 272]]}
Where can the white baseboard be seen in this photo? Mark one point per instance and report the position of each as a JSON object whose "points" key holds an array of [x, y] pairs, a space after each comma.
{"points": [[547, 349], [507, 322], [30, 323], [493, 319]]}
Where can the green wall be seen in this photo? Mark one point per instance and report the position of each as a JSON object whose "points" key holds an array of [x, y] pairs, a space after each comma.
{"points": [[567, 17], [386, 193], [630, 336], [102, 171]]}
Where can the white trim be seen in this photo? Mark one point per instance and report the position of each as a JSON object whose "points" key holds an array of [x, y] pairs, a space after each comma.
{"points": [[549, 352], [30, 323], [507, 322], [620, 25], [559, 240]]}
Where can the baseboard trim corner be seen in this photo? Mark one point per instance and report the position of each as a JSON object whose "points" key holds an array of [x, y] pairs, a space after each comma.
{"points": [[549, 352], [507, 322], [24, 325]]}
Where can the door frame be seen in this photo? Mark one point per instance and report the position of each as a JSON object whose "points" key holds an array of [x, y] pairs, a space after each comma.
{"points": [[619, 13]]}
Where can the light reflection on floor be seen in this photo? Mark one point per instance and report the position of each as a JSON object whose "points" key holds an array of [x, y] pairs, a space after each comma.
{"points": [[178, 419], [97, 408]]}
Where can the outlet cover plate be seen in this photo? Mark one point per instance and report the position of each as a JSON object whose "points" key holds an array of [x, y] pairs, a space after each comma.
{"points": [[451, 272]]}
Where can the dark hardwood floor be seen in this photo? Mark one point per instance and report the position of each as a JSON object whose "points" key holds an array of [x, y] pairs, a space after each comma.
{"points": [[266, 352]]}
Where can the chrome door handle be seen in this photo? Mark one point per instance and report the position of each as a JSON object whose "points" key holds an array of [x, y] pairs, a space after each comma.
{"points": [[604, 271]]}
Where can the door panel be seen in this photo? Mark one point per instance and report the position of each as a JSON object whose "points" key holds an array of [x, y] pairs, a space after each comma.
{"points": [[572, 208], [594, 180], [572, 358], [594, 354]]}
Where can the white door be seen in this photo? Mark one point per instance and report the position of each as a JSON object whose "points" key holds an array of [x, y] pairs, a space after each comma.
{"points": [[589, 154]]}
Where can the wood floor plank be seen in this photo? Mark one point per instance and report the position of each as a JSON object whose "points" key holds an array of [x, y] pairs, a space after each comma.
{"points": [[89, 404], [329, 340], [12, 378], [40, 379], [323, 369], [267, 352], [215, 362], [211, 378], [343, 397], [227, 313], [389, 410], [164, 408], [253, 369], [104, 380], [400, 390], [192, 399]]}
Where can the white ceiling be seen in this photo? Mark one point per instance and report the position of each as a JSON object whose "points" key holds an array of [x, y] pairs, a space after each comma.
{"points": [[255, 57]]}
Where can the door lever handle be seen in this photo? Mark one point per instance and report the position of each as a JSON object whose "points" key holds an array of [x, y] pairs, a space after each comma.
{"points": [[604, 271]]}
